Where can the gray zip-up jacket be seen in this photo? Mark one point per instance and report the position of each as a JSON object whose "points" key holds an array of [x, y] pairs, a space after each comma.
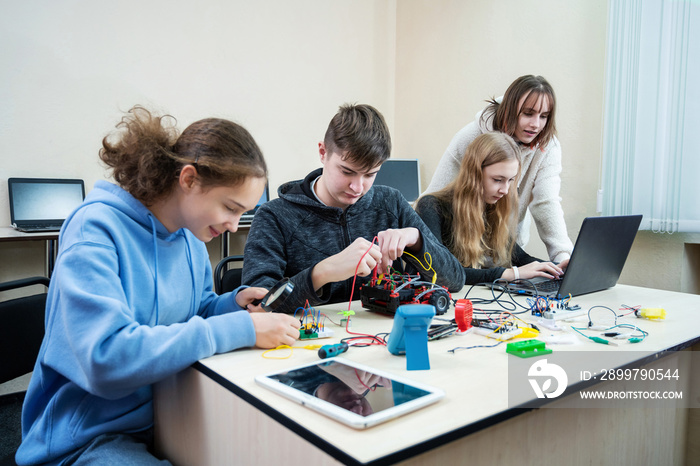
{"points": [[291, 234]]}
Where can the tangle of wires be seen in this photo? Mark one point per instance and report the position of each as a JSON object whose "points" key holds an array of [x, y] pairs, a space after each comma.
{"points": [[610, 328], [500, 295], [312, 321], [503, 297]]}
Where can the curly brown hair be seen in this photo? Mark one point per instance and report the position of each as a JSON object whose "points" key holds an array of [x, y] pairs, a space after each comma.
{"points": [[148, 154]]}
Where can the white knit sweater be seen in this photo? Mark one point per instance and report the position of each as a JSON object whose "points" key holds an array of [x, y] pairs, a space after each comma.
{"points": [[538, 187]]}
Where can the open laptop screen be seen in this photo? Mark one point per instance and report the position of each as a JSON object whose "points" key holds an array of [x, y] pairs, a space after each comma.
{"points": [[247, 217], [41, 201], [402, 174]]}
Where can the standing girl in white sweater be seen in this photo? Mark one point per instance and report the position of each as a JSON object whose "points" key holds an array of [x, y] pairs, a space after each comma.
{"points": [[526, 113]]}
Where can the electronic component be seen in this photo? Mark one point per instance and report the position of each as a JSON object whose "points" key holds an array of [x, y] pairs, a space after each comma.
{"points": [[602, 341], [409, 335], [614, 332], [386, 293], [312, 324], [550, 308], [328, 351], [563, 314], [502, 334], [461, 324], [436, 332], [527, 348], [651, 313], [463, 314], [549, 324], [501, 327], [500, 331], [311, 334]]}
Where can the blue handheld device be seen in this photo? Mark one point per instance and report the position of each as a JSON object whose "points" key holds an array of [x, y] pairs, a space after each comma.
{"points": [[328, 351], [409, 335]]}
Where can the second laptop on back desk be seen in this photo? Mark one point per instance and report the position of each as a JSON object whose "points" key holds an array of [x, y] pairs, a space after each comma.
{"points": [[596, 263], [42, 204]]}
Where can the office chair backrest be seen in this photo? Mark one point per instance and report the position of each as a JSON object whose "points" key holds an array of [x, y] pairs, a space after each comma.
{"points": [[226, 279], [21, 329], [21, 333]]}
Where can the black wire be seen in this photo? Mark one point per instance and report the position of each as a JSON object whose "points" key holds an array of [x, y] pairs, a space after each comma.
{"points": [[536, 294], [499, 284], [484, 301], [454, 350], [379, 338], [590, 319]]}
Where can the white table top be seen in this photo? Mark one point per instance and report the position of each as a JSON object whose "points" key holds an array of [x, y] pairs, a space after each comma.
{"points": [[475, 380], [10, 234]]}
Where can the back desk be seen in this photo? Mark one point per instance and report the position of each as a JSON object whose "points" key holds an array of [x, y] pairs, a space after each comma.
{"points": [[213, 413]]}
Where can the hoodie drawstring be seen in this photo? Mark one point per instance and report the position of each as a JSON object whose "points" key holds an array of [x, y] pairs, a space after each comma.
{"points": [[155, 268], [191, 267]]}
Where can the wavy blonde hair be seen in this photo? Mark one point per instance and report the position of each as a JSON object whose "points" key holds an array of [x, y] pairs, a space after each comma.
{"points": [[480, 229]]}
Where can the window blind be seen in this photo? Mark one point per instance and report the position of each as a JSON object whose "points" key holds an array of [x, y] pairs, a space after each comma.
{"points": [[651, 155]]}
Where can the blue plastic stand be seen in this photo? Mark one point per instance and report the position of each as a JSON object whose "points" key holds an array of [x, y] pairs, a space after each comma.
{"points": [[409, 335]]}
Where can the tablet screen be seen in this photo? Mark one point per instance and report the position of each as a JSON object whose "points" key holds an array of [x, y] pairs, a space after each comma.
{"points": [[357, 395]]}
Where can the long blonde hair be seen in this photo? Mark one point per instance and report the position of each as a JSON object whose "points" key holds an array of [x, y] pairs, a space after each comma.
{"points": [[480, 229]]}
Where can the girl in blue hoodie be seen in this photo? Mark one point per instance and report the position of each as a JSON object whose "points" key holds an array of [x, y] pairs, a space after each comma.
{"points": [[131, 300]]}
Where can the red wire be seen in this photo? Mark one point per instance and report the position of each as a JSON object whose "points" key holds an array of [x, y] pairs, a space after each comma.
{"points": [[375, 340], [364, 384], [354, 278]]}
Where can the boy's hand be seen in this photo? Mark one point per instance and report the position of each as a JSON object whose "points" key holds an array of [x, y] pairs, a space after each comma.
{"points": [[342, 266], [359, 381], [392, 244]]}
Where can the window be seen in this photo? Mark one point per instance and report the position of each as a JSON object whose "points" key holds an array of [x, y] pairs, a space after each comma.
{"points": [[651, 154]]}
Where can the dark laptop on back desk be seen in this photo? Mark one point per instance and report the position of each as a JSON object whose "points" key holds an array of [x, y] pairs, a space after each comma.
{"points": [[247, 217], [42, 204], [599, 255]]}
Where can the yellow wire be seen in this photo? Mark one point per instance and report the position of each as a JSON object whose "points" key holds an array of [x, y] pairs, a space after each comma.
{"points": [[429, 260], [291, 350]]}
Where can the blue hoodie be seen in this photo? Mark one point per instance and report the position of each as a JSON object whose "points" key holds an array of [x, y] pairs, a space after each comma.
{"points": [[129, 304]]}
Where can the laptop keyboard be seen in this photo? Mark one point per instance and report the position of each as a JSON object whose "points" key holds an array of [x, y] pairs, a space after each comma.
{"points": [[547, 286], [40, 227]]}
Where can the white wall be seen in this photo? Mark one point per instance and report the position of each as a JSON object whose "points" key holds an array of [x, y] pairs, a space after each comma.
{"points": [[468, 52], [281, 68], [453, 55]]}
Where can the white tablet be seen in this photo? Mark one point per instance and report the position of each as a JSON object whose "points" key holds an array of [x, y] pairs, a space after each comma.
{"points": [[349, 392]]}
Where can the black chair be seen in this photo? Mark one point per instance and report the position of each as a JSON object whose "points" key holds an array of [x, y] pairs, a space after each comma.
{"points": [[227, 278], [21, 333]]}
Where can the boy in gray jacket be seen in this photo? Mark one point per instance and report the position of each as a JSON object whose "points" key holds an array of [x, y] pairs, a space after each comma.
{"points": [[320, 231]]}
